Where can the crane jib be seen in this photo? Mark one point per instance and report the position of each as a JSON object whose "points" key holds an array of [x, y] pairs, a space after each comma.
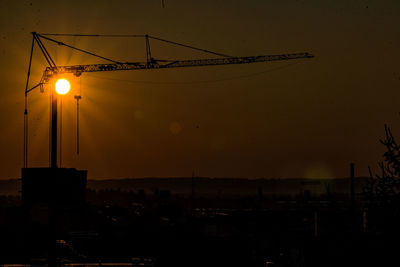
{"points": [[155, 64]]}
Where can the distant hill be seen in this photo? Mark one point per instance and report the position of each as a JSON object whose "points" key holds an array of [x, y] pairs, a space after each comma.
{"points": [[214, 186]]}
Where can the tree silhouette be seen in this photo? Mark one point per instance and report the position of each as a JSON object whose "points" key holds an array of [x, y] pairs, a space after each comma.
{"points": [[383, 189]]}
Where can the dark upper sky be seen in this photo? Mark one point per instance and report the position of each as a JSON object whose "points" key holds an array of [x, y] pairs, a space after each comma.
{"points": [[281, 119]]}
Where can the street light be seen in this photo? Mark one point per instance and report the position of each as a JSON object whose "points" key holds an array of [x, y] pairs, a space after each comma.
{"points": [[62, 86]]}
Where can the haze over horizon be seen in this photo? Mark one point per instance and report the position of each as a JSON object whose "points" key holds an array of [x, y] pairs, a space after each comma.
{"points": [[307, 118]]}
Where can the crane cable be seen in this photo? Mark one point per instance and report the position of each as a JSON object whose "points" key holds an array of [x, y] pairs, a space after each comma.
{"points": [[78, 49], [188, 46], [121, 36], [78, 97]]}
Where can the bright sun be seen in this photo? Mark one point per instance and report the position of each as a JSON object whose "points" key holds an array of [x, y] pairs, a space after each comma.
{"points": [[62, 86]]}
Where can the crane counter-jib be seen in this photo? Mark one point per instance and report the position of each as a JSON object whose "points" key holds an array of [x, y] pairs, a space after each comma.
{"points": [[161, 64]]}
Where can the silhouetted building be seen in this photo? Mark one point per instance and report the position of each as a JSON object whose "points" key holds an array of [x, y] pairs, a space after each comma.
{"points": [[59, 190]]}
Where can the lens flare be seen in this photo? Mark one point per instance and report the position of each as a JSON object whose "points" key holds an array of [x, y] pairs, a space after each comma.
{"points": [[62, 86]]}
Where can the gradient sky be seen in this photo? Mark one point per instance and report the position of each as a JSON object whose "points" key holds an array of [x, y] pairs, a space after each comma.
{"points": [[309, 119]]}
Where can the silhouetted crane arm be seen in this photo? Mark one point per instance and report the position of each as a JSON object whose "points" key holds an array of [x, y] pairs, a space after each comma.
{"points": [[54, 70], [162, 64]]}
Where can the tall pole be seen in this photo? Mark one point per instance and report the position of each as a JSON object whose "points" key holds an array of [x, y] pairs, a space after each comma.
{"points": [[26, 108], [352, 188], [193, 192], [315, 223], [53, 158], [53, 165]]}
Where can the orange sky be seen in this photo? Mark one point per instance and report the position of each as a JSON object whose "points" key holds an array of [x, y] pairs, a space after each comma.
{"points": [[309, 119]]}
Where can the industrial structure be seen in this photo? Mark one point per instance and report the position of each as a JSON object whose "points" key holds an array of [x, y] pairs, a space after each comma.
{"points": [[54, 71], [61, 190]]}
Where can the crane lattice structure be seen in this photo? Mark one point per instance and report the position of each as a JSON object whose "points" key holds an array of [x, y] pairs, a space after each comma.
{"points": [[54, 70]]}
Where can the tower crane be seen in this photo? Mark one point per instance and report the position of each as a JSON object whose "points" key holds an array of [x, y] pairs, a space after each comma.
{"points": [[54, 70], [152, 63]]}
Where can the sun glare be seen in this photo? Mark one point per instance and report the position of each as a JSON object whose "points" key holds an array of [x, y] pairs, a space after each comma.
{"points": [[62, 86]]}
